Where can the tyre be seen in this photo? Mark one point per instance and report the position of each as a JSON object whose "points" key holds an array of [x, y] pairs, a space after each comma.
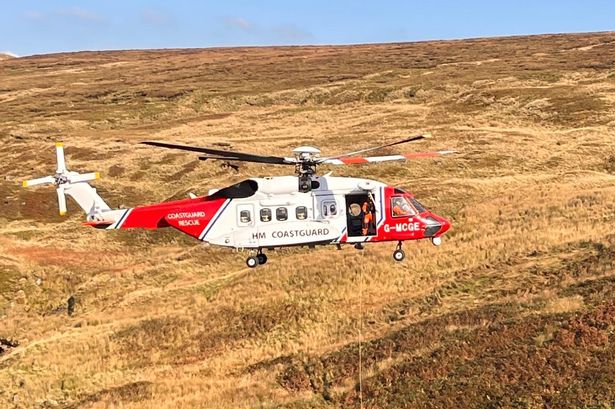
{"points": [[262, 258], [252, 262], [399, 255]]}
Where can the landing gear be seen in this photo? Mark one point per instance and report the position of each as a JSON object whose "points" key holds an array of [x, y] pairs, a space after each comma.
{"points": [[398, 254], [259, 258], [252, 261]]}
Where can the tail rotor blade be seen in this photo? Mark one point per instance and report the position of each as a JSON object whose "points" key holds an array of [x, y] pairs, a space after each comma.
{"points": [[84, 177], [39, 181], [60, 157], [61, 200]]}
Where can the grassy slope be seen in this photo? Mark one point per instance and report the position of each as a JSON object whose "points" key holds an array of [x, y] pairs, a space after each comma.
{"points": [[515, 309]]}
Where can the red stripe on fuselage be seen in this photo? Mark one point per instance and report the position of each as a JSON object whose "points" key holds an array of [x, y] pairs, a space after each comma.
{"points": [[190, 216]]}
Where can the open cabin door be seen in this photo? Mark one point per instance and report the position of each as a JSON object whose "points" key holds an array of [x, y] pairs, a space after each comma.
{"points": [[364, 214]]}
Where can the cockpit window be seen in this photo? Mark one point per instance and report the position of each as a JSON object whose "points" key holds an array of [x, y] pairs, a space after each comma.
{"points": [[400, 206], [418, 205]]}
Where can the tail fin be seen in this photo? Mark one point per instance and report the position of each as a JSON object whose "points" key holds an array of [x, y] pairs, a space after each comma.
{"points": [[73, 184]]}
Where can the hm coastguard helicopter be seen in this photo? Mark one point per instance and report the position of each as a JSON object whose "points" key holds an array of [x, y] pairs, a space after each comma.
{"points": [[264, 213]]}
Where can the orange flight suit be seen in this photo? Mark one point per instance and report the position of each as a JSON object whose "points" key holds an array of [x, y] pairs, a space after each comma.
{"points": [[367, 218]]}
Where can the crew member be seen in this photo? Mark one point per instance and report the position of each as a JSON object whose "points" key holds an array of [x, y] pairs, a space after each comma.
{"points": [[400, 207], [368, 218]]}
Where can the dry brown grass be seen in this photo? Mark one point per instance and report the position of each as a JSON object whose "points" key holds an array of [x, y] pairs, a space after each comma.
{"points": [[514, 310]]}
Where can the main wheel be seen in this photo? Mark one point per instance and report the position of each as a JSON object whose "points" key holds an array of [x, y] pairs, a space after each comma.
{"points": [[262, 258], [399, 255], [252, 262]]}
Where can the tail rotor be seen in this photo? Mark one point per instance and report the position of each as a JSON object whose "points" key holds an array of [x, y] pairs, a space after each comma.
{"points": [[62, 179]]}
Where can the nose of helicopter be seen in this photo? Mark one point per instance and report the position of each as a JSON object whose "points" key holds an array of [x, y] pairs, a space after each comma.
{"points": [[445, 225], [442, 223]]}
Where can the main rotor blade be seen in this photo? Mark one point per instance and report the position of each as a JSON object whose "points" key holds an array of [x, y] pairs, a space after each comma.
{"points": [[246, 157], [410, 139], [371, 159], [288, 161]]}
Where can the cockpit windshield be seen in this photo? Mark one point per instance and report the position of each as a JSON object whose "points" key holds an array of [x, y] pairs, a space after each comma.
{"points": [[418, 206], [401, 206]]}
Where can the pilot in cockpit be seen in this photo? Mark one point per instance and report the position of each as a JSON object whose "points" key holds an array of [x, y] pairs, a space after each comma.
{"points": [[400, 207]]}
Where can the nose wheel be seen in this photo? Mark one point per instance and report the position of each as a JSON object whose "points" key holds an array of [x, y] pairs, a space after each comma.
{"points": [[398, 254], [253, 261]]}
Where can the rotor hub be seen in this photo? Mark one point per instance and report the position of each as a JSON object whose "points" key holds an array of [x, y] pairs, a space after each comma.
{"points": [[60, 179], [306, 152], [306, 158]]}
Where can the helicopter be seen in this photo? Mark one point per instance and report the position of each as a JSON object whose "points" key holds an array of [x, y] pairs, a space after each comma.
{"points": [[264, 213]]}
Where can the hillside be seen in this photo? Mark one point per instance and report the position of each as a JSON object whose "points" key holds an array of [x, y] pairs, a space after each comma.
{"points": [[515, 309]]}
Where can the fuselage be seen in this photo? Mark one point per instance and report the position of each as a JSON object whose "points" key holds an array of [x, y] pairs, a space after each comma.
{"points": [[271, 212]]}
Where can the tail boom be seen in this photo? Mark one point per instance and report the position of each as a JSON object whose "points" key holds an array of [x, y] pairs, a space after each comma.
{"points": [[193, 217]]}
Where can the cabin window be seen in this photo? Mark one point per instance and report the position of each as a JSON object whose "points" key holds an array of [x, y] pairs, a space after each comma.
{"points": [[244, 216], [329, 208], [281, 214], [301, 212], [400, 207], [354, 210], [332, 209], [265, 215]]}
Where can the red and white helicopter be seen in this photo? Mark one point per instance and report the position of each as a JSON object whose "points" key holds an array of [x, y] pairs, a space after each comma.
{"points": [[265, 213]]}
